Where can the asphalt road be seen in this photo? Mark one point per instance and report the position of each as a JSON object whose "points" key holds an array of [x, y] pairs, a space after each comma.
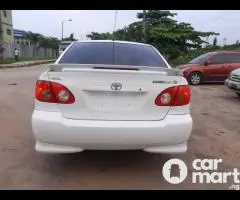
{"points": [[216, 134]]}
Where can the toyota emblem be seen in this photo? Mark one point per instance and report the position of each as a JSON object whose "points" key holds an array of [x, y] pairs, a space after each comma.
{"points": [[116, 86]]}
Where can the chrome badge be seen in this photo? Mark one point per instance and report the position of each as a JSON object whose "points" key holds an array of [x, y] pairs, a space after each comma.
{"points": [[165, 82], [116, 86]]}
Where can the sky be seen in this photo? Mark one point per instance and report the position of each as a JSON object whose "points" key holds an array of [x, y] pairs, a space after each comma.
{"points": [[49, 22]]}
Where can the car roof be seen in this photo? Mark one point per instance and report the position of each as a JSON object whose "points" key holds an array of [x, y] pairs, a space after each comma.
{"points": [[216, 52], [115, 41], [63, 42]]}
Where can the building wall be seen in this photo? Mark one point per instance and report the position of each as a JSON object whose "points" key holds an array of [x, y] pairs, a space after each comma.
{"points": [[28, 51], [8, 18], [7, 33], [22, 41], [6, 26]]}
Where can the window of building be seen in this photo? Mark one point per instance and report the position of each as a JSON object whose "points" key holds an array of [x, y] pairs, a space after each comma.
{"points": [[22, 42], [18, 42], [5, 13], [27, 43], [9, 32]]}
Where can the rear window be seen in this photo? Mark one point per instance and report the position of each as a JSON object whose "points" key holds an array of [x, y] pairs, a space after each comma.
{"points": [[109, 53]]}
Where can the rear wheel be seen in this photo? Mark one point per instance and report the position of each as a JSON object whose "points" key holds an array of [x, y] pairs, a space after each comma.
{"points": [[195, 78]]}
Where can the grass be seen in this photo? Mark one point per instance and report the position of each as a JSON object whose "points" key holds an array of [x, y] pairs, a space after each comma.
{"points": [[20, 59]]}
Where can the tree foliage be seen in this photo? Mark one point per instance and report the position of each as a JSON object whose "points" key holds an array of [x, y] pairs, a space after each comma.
{"points": [[42, 41], [170, 37], [70, 38]]}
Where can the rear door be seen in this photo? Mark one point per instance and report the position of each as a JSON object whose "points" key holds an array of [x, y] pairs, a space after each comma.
{"points": [[113, 85], [216, 70], [233, 62]]}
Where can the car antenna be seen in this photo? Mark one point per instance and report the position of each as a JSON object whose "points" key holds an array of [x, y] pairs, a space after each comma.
{"points": [[115, 22], [114, 28]]}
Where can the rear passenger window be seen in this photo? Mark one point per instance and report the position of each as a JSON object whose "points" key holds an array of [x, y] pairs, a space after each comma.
{"points": [[226, 58], [218, 59], [232, 57]]}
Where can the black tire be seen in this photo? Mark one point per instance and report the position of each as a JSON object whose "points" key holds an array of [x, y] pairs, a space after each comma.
{"points": [[195, 78], [238, 94]]}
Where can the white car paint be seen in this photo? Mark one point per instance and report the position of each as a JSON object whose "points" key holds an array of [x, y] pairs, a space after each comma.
{"points": [[233, 81], [99, 120]]}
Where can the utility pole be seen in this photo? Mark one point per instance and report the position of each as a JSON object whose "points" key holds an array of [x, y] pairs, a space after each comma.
{"points": [[62, 30], [62, 25], [144, 26], [224, 41], [1, 38], [114, 27]]}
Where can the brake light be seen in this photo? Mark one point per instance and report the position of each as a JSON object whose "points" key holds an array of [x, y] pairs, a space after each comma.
{"points": [[174, 96], [52, 92]]}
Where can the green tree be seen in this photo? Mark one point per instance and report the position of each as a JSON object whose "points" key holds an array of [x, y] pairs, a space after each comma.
{"points": [[38, 40], [35, 39], [70, 38], [100, 36], [162, 31]]}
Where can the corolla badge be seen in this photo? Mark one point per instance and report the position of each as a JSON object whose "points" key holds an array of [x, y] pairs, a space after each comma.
{"points": [[116, 86], [165, 82]]}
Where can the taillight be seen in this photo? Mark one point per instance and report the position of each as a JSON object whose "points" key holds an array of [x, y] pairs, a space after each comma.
{"points": [[52, 92], [174, 96]]}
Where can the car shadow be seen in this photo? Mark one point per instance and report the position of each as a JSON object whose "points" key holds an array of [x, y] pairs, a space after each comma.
{"points": [[101, 169], [213, 83], [231, 97], [103, 160], [209, 83]]}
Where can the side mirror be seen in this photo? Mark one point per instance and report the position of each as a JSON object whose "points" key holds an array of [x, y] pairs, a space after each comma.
{"points": [[207, 62]]}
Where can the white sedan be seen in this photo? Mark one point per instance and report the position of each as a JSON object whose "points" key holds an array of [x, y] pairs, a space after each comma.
{"points": [[111, 95]]}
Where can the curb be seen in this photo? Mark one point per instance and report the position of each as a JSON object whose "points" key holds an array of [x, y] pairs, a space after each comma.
{"points": [[27, 64]]}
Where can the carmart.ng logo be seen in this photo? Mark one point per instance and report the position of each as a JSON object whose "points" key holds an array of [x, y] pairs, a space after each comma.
{"points": [[204, 171], [174, 171]]}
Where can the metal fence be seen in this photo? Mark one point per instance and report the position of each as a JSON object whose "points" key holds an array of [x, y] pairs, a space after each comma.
{"points": [[28, 51]]}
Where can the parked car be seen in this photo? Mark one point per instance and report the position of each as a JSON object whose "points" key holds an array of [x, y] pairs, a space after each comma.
{"points": [[233, 81], [105, 95], [211, 67]]}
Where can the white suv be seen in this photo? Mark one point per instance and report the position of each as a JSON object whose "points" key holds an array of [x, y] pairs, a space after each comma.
{"points": [[233, 81], [111, 95]]}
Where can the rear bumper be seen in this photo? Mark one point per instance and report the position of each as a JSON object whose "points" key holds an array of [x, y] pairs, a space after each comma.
{"points": [[56, 134], [233, 85]]}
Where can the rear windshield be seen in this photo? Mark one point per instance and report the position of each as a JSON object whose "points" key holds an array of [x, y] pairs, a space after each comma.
{"points": [[109, 53]]}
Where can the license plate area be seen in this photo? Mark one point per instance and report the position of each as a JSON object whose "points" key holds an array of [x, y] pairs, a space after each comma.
{"points": [[115, 100]]}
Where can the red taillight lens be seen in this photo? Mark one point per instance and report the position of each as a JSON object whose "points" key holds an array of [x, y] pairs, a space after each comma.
{"points": [[51, 92], [43, 92], [174, 96]]}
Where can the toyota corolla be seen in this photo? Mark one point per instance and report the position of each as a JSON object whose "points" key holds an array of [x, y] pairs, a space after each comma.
{"points": [[111, 95]]}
